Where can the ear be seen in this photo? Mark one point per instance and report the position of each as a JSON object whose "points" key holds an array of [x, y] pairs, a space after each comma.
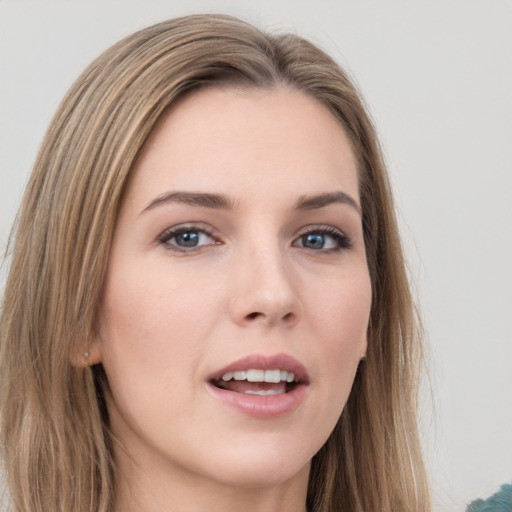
{"points": [[86, 353], [364, 349]]}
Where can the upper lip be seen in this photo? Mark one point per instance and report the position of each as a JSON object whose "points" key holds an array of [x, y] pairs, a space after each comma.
{"points": [[265, 362]]}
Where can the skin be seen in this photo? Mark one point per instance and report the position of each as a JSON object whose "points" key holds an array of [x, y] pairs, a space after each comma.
{"points": [[170, 316]]}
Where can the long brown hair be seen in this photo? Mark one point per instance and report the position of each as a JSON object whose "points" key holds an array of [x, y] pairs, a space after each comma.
{"points": [[54, 427]]}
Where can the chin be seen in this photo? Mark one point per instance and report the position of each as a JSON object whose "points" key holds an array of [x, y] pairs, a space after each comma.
{"points": [[259, 464]]}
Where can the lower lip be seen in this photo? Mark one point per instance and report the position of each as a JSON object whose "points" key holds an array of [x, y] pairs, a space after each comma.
{"points": [[267, 406]]}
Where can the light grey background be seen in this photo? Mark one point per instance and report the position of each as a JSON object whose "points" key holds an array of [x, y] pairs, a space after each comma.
{"points": [[437, 76]]}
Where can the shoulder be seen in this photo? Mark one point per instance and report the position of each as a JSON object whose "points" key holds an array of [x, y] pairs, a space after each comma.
{"points": [[499, 502]]}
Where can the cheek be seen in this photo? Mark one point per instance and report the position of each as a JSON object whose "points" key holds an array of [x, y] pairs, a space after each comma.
{"points": [[340, 321], [153, 308], [341, 308], [136, 327], [152, 331]]}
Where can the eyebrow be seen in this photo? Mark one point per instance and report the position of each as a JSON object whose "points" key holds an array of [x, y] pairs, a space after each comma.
{"points": [[216, 201], [223, 202], [320, 200]]}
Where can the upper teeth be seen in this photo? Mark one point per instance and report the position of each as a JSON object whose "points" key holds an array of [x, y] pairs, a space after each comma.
{"points": [[260, 376]]}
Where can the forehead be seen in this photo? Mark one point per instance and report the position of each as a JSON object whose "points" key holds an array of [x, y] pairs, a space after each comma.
{"points": [[215, 137]]}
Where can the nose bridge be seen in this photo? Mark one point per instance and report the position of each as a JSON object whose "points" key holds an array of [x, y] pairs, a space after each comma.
{"points": [[265, 285]]}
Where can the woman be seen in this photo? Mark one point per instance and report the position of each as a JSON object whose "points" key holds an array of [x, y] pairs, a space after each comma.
{"points": [[207, 306]]}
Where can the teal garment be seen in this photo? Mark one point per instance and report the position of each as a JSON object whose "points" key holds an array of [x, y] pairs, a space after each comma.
{"points": [[499, 502]]}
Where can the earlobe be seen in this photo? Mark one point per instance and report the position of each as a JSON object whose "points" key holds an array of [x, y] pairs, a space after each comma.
{"points": [[363, 352], [86, 353], [87, 363]]}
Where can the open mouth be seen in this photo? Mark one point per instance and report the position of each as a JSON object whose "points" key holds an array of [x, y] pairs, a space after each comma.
{"points": [[258, 382], [260, 385]]}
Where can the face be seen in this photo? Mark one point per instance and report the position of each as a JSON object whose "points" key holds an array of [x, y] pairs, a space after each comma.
{"points": [[237, 298]]}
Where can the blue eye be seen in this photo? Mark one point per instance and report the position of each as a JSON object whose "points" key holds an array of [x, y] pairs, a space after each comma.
{"points": [[184, 238], [327, 239], [187, 239], [313, 241]]}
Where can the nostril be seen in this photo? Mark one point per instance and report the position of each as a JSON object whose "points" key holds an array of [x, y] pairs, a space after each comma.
{"points": [[288, 317]]}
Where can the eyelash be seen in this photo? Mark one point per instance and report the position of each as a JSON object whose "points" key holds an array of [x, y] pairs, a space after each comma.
{"points": [[340, 239], [165, 238]]}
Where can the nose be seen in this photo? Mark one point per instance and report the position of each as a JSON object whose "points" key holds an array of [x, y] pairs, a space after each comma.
{"points": [[265, 291]]}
